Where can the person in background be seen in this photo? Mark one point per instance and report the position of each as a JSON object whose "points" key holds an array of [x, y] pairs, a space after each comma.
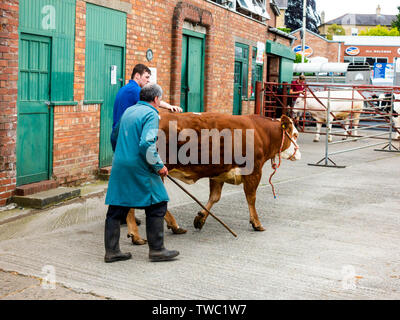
{"points": [[296, 88]]}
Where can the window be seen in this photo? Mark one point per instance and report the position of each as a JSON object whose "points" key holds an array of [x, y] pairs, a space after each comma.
{"points": [[242, 56], [256, 73], [231, 4], [256, 9]]}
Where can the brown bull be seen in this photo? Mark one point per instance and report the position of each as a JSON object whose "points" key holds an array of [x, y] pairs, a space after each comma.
{"points": [[256, 137]]}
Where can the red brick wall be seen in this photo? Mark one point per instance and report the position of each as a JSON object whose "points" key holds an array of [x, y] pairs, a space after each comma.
{"points": [[321, 47], [76, 143], [152, 26], [8, 96]]}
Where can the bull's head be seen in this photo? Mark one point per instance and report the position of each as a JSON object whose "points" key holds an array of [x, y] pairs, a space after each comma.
{"points": [[290, 149]]}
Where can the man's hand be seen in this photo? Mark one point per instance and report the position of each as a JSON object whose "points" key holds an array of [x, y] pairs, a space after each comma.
{"points": [[175, 109], [163, 172]]}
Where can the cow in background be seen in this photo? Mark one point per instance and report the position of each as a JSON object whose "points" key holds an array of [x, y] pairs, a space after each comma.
{"points": [[384, 104], [343, 105]]}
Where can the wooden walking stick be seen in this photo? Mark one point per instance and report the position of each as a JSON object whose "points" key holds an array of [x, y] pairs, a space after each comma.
{"points": [[200, 204]]}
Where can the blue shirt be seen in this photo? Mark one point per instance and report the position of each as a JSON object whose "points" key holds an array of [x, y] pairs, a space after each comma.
{"points": [[134, 180], [126, 97]]}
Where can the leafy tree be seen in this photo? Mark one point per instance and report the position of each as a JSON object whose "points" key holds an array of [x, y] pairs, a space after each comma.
{"points": [[396, 22], [294, 15], [287, 30], [298, 58], [380, 31], [334, 29]]}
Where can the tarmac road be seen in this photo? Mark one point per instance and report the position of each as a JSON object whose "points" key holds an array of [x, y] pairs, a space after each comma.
{"points": [[330, 234]]}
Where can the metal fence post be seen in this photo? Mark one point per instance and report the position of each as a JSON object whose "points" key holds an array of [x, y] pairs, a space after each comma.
{"points": [[328, 130]]}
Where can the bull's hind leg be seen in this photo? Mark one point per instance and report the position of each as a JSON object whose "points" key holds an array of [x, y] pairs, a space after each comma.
{"points": [[133, 231], [171, 224], [215, 196], [250, 184]]}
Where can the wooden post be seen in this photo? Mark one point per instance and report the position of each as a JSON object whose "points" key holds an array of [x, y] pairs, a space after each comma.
{"points": [[258, 108], [284, 98]]}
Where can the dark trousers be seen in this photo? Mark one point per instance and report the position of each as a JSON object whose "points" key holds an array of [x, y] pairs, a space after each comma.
{"points": [[120, 213]]}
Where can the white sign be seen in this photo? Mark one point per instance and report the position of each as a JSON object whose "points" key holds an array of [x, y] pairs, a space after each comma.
{"points": [[260, 52], [113, 74], [398, 51], [153, 77]]}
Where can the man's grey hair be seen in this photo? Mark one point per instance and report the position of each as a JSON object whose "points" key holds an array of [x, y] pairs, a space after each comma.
{"points": [[150, 91]]}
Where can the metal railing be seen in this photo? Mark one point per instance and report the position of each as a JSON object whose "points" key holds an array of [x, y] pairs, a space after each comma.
{"points": [[272, 97]]}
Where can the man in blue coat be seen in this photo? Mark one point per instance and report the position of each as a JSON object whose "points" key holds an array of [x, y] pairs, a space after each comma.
{"points": [[128, 95], [135, 180]]}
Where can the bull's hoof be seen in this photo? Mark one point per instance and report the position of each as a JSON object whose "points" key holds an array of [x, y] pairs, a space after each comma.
{"points": [[316, 140], [198, 221], [177, 230], [137, 241], [258, 228]]}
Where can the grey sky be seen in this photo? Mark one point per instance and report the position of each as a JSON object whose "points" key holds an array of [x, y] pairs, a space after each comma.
{"points": [[335, 8]]}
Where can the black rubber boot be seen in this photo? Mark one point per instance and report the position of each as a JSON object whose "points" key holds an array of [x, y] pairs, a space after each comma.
{"points": [[155, 239], [111, 242]]}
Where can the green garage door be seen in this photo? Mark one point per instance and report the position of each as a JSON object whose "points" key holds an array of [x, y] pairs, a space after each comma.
{"points": [[33, 127], [104, 68], [192, 71], [112, 83]]}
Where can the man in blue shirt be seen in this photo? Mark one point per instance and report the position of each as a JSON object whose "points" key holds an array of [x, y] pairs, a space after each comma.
{"points": [[135, 180], [128, 95]]}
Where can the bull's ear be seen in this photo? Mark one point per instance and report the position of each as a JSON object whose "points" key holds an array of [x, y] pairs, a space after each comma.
{"points": [[286, 123]]}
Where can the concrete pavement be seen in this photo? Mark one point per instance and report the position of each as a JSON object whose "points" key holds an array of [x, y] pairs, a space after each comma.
{"points": [[331, 234]]}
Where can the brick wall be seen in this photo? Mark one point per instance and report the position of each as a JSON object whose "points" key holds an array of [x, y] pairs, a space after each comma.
{"points": [[321, 47], [8, 96], [76, 143], [158, 25]]}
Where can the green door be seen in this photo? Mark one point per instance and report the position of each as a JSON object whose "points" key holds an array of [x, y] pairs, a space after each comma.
{"points": [[237, 88], [192, 73], [33, 124], [112, 83], [241, 71]]}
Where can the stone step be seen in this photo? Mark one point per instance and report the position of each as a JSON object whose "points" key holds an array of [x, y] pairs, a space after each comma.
{"points": [[36, 187], [47, 198], [104, 173]]}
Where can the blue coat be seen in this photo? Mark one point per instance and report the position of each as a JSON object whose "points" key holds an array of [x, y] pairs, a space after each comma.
{"points": [[134, 180]]}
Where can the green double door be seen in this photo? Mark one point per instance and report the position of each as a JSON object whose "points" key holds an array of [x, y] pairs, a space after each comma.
{"points": [[192, 74], [112, 83], [33, 119]]}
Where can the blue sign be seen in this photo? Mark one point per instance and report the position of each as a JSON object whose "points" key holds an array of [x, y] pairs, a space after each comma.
{"points": [[352, 51], [308, 51], [383, 70]]}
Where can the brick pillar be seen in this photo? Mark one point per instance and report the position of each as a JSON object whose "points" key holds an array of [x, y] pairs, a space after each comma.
{"points": [[80, 46], [8, 96]]}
